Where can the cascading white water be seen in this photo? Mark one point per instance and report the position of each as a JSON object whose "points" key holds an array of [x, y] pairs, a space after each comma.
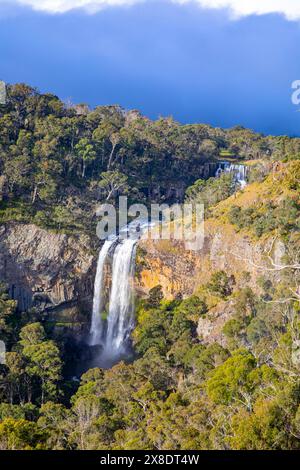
{"points": [[238, 171], [96, 331], [113, 333], [120, 320]]}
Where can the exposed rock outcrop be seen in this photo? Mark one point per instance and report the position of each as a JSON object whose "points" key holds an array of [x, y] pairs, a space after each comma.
{"points": [[168, 263], [210, 326], [180, 271], [44, 269]]}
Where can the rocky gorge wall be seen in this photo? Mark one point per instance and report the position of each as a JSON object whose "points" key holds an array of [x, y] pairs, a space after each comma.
{"points": [[178, 270], [54, 273], [182, 272], [50, 272]]}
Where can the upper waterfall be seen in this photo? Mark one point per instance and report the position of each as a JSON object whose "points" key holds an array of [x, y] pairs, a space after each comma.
{"points": [[238, 171]]}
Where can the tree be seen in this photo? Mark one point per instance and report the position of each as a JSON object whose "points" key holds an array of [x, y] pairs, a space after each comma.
{"points": [[18, 383], [32, 334], [55, 420], [207, 359], [17, 167], [169, 425], [86, 152], [19, 434], [43, 359], [212, 191], [264, 429], [87, 410], [62, 217], [44, 363], [155, 296], [233, 380], [221, 284], [45, 182], [7, 314], [8, 410], [112, 182], [193, 307]]}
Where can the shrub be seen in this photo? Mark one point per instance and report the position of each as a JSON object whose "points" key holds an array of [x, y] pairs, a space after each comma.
{"points": [[221, 284]]}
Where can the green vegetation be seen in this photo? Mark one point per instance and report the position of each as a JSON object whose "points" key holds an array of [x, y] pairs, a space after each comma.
{"points": [[237, 390], [210, 192], [221, 284], [284, 217], [179, 393], [57, 162]]}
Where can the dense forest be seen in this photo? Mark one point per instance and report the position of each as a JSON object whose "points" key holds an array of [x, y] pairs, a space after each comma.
{"points": [[57, 162]]}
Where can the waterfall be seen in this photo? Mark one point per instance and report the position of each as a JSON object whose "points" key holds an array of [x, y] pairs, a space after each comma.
{"points": [[238, 171], [120, 320], [113, 333], [96, 331]]}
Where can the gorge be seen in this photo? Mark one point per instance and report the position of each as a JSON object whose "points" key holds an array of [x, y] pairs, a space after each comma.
{"points": [[111, 329]]}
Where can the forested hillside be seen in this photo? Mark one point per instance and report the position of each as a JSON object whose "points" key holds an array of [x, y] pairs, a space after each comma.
{"points": [[57, 161], [216, 367]]}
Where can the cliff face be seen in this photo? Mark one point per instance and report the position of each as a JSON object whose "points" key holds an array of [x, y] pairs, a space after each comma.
{"points": [[181, 271], [46, 270], [177, 270], [54, 273]]}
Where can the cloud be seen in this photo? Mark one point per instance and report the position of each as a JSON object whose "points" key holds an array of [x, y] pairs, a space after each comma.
{"points": [[62, 6], [289, 8]]}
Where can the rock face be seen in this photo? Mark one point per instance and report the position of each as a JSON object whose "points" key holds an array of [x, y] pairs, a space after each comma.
{"points": [[44, 269], [54, 273], [210, 327], [178, 270]]}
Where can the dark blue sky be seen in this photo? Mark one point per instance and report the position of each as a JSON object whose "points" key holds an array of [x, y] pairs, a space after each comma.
{"points": [[162, 58]]}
